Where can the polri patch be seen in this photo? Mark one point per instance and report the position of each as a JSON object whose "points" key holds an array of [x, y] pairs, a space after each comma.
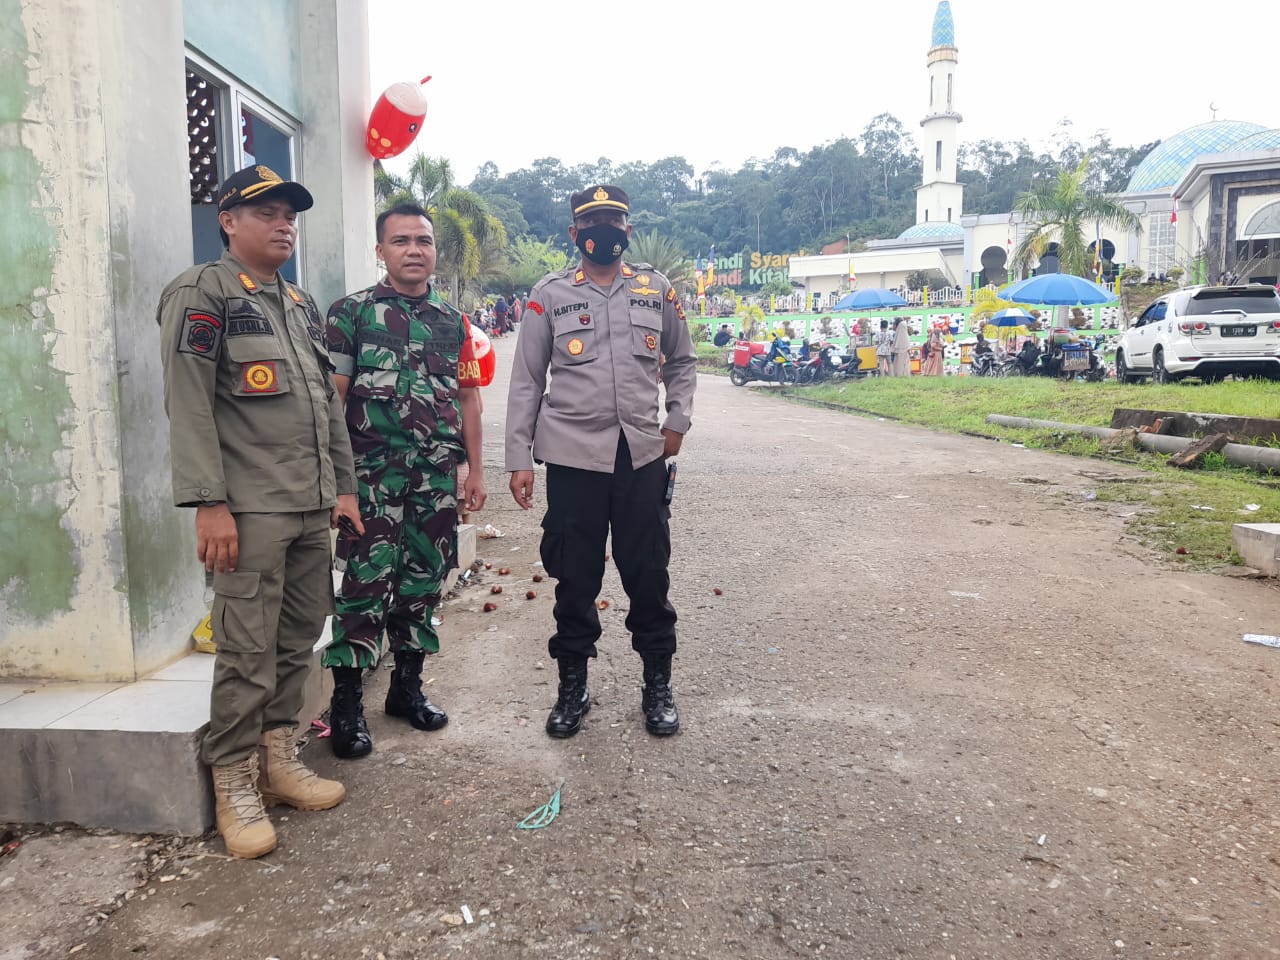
{"points": [[584, 318], [651, 341], [201, 334], [260, 377]]}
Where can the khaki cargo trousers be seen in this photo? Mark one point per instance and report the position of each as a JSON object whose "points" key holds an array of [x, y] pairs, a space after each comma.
{"points": [[266, 619]]}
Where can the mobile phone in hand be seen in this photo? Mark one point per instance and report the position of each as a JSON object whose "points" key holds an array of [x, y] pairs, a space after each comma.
{"points": [[347, 529]]}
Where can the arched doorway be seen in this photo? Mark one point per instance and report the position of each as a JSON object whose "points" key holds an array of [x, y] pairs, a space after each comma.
{"points": [[995, 266], [1108, 255]]}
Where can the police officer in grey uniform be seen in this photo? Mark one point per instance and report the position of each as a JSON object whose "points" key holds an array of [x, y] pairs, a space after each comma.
{"points": [[607, 331], [260, 450]]}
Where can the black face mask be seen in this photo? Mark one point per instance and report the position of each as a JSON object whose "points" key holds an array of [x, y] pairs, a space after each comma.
{"points": [[602, 243]]}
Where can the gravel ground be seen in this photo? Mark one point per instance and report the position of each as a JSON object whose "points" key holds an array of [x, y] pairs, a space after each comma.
{"points": [[942, 708]]}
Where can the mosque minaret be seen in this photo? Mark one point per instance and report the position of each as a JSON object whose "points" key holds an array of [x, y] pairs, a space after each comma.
{"points": [[939, 196]]}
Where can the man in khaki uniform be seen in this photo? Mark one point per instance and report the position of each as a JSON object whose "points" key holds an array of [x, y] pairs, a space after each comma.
{"points": [[260, 450], [603, 329]]}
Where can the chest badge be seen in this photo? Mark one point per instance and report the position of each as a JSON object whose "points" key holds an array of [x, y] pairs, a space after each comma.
{"points": [[260, 377], [644, 290], [246, 281], [575, 347], [651, 341], [584, 318]]}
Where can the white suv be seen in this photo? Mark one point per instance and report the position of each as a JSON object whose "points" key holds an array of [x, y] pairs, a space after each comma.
{"points": [[1205, 332]]}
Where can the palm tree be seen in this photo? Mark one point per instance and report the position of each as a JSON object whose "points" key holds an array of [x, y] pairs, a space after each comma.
{"points": [[663, 255], [465, 230], [1066, 211]]}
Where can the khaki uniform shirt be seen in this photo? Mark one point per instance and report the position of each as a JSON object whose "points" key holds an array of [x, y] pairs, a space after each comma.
{"points": [[254, 418], [604, 350]]}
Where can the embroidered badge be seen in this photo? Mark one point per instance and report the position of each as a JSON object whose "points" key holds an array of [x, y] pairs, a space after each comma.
{"points": [[247, 282], [589, 246], [579, 277], [260, 377], [600, 194], [584, 318], [671, 294], [643, 279], [651, 341], [644, 291], [535, 306], [627, 271], [680, 310], [201, 334], [293, 294], [575, 347]]}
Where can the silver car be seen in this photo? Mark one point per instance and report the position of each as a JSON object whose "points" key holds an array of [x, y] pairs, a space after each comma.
{"points": [[1205, 332]]}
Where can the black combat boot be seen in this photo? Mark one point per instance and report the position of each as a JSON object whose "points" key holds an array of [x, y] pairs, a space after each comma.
{"points": [[348, 733], [656, 700], [573, 701], [405, 698]]}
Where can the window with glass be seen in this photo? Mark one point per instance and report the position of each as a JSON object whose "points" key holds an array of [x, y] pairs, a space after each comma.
{"points": [[230, 128]]}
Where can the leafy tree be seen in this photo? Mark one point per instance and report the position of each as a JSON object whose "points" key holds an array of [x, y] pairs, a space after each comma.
{"points": [[531, 260], [1061, 211]]}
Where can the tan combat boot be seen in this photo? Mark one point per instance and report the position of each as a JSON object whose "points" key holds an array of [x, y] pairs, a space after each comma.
{"points": [[286, 779], [241, 820]]}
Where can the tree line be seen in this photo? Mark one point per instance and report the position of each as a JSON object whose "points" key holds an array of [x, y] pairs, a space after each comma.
{"points": [[861, 188]]}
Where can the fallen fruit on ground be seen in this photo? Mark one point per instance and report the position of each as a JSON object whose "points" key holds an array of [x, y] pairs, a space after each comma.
{"points": [[490, 607], [530, 594], [537, 578], [495, 589], [503, 571], [717, 591]]}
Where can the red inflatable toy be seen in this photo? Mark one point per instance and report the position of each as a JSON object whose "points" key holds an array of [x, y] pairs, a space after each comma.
{"points": [[482, 351], [396, 120]]}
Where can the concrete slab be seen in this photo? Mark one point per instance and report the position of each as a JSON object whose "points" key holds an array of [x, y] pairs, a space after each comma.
{"points": [[153, 706], [1257, 543], [9, 691], [194, 666], [139, 782], [49, 702]]}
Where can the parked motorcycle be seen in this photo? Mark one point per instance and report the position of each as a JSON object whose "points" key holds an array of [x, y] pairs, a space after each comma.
{"points": [[750, 361]]}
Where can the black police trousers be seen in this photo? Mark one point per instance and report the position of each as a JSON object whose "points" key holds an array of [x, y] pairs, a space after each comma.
{"points": [[583, 507]]}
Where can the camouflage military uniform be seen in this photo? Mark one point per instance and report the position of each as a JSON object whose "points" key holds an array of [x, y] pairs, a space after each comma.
{"points": [[406, 435]]}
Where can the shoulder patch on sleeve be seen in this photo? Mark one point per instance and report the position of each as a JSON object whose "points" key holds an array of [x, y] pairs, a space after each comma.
{"points": [[535, 306], [202, 334]]}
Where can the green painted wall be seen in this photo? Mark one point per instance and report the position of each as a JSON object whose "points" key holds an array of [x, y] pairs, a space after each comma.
{"points": [[255, 41], [38, 565]]}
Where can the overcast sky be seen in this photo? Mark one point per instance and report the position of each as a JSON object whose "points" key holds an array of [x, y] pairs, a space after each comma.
{"points": [[720, 82]]}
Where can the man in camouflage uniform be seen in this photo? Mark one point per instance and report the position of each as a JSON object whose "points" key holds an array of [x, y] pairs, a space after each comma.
{"points": [[405, 369]]}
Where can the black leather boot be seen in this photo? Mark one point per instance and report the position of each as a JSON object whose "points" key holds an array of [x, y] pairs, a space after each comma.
{"points": [[574, 700], [348, 733], [405, 698], [656, 700]]}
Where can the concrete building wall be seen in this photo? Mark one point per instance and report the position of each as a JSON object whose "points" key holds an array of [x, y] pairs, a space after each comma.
{"points": [[255, 41], [98, 577]]}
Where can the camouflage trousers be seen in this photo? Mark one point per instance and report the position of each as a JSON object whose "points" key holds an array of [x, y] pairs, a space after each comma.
{"points": [[395, 572]]}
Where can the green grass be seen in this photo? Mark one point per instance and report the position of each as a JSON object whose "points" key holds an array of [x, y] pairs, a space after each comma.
{"points": [[1164, 515]]}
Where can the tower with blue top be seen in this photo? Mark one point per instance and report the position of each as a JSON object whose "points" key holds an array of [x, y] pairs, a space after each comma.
{"points": [[939, 196]]}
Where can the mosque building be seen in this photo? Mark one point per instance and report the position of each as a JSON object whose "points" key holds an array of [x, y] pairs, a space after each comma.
{"points": [[1208, 198]]}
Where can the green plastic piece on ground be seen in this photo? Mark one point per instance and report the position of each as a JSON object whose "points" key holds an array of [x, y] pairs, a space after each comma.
{"points": [[544, 815]]}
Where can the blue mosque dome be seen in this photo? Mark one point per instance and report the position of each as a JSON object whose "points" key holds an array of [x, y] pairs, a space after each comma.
{"points": [[1165, 165], [933, 230], [944, 28], [1266, 140]]}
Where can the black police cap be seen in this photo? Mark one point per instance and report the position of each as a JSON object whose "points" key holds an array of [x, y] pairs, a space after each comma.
{"points": [[254, 184], [605, 196]]}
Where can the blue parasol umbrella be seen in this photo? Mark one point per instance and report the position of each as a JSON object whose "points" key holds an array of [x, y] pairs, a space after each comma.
{"points": [[1058, 289], [1011, 317], [873, 298]]}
